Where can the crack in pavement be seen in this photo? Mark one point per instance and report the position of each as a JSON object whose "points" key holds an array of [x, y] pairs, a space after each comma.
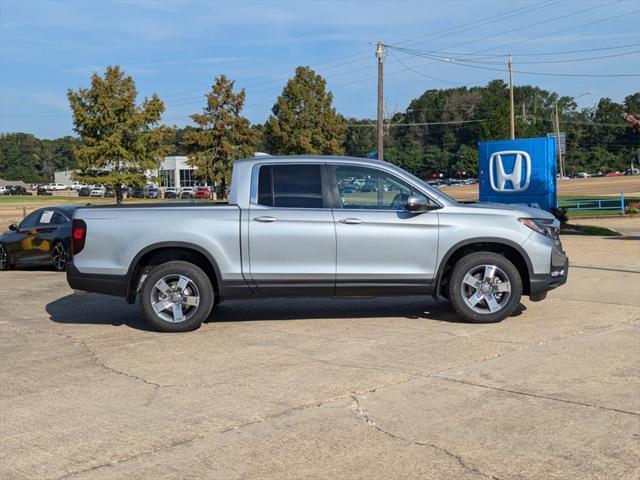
{"points": [[225, 430], [534, 395], [98, 361], [608, 269], [307, 406], [558, 297], [360, 412], [131, 457]]}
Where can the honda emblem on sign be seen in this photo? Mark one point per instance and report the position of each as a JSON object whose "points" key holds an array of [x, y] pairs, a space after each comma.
{"points": [[514, 181]]}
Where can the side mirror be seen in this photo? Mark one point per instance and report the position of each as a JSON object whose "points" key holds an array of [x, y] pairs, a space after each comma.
{"points": [[13, 227], [419, 204]]}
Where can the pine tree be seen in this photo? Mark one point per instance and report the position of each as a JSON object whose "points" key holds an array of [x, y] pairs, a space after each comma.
{"points": [[120, 141], [304, 120], [222, 136]]}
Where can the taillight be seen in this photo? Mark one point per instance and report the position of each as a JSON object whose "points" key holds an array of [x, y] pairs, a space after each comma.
{"points": [[78, 235]]}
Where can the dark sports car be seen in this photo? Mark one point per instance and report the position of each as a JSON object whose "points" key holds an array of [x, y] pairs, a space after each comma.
{"points": [[42, 238]]}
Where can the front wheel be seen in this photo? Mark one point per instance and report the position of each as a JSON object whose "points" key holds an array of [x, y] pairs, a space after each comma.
{"points": [[484, 287], [177, 296], [5, 262]]}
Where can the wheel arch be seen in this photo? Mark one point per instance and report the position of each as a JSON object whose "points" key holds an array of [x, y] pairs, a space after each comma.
{"points": [[162, 252], [511, 250]]}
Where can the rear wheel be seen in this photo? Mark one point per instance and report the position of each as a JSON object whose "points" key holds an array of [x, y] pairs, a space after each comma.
{"points": [[177, 296], [59, 257], [484, 287]]}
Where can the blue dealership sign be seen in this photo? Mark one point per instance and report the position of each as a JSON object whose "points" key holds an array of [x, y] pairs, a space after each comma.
{"points": [[518, 171]]}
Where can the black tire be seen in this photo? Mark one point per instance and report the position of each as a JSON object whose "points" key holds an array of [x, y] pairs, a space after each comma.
{"points": [[5, 260], [199, 286], [59, 257], [461, 294]]}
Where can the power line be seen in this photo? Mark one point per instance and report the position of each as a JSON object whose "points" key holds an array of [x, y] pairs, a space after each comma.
{"points": [[537, 36], [586, 124], [511, 43], [475, 61], [461, 54], [473, 24], [485, 21], [454, 122], [420, 73], [472, 65]]}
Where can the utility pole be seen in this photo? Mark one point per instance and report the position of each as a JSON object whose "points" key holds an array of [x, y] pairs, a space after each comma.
{"points": [[513, 113], [380, 57], [557, 122]]}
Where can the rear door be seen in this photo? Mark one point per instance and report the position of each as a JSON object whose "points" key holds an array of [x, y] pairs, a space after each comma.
{"points": [[47, 231], [292, 243], [381, 247]]}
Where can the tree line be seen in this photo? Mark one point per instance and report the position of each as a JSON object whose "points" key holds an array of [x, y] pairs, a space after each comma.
{"points": [[119, 138]]}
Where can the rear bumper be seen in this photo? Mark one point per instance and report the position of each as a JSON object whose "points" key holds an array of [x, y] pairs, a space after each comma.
{"points": [[91, 282], [541, 284]]}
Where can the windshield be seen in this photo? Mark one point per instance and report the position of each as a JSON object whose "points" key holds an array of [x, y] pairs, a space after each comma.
{"points": [[425, 185]]}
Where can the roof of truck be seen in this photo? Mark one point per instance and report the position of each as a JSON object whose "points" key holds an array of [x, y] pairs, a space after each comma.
{"points": [[311, 158]]}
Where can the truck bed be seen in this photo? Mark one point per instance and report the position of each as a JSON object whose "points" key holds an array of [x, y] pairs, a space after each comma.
{"points": [[116, 234]]}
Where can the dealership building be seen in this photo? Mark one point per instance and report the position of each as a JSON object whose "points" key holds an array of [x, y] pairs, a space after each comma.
{"points": [[173, 172]]}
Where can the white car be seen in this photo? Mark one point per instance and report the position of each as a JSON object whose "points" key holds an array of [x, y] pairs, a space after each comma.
{"points": [[187, 192], [56, 186], [77, 185], [171, 192], [97, 191]]}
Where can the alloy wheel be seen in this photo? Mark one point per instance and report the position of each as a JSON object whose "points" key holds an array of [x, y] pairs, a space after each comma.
{"points": [[486, 289], [175, 298], [60, 257]]}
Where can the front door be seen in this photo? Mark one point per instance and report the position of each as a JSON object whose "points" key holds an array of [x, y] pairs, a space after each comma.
{"points": [[292, 242], [21, 246], [381, 247]]}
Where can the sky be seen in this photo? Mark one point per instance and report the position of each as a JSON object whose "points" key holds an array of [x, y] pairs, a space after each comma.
{"points": [[177, 48]]}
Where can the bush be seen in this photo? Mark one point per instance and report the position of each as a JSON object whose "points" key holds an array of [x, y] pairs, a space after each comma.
{"points": [[632, 208], [561, 214]]}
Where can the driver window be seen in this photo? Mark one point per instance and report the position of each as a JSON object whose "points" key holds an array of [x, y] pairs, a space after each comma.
{"points": [[30, 220], [371, 189]]}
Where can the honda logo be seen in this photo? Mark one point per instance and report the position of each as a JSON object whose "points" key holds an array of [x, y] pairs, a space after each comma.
{"points": [[501, 181]]}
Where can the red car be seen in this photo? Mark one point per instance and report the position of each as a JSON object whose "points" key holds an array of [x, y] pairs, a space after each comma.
{"points": [[202, 192]]}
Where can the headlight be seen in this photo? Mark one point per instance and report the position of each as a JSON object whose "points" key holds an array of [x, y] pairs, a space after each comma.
{"points": [[543, 226]]}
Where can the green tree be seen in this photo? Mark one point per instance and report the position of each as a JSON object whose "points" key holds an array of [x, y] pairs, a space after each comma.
{"points": [[360, 138], [304, 120], [222, 135], [121, 141], [20, 156]]}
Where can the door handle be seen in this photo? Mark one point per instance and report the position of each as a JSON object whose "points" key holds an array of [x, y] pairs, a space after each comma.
{"points": [[265, 219], [350, 221]]}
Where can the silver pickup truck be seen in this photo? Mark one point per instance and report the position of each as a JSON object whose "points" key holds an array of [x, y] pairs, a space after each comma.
{"points": [[316, 226]]}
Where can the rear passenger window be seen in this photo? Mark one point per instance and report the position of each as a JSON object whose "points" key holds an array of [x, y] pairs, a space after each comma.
{"points": [[290, 186], [58, 219]]}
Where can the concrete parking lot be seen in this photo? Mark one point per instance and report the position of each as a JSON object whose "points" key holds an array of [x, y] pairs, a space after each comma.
{"points": [[385, 388]]}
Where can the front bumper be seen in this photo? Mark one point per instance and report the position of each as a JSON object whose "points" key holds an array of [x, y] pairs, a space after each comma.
{"points": [[540, 284]]}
